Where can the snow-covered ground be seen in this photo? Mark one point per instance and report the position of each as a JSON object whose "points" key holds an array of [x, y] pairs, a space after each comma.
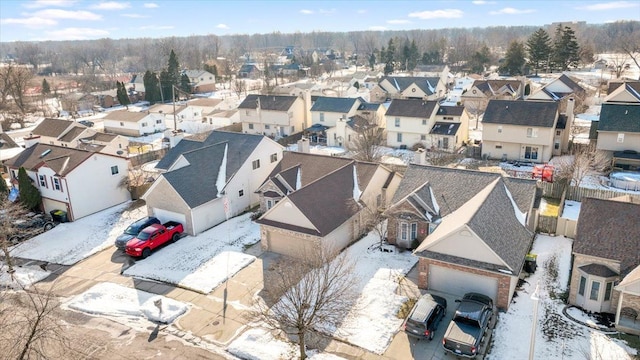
{"points": [[556, 336], [202, 262], [68, 243]]}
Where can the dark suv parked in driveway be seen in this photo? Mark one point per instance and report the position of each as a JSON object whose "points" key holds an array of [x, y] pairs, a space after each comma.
{"points": [[133, 230], [425, 316], [30, 226]]}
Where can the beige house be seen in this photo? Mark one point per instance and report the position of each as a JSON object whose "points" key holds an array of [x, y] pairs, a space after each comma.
{"points": [[314, 200], [477, 97], [558, 89], [522, 130], [129, 123], [346, 130], [274, 116], [605, 276], [627, 92], [409, 122], [201, 81], [469, 229], [327, 111], [406, 87], [450, 129]]}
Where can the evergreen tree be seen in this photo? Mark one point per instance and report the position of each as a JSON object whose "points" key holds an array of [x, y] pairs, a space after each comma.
{"points": [[514, 60], [372, 60], [539, 49], [414, 55], [566, 52], [4, 188], [122, 94], [480, 59], [29, 194], [185, 83], [46, 89], [388, 57], [151, 89], [165, 85]]}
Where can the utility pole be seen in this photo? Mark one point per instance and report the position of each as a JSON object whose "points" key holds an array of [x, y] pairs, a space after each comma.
{"points": [[173, 97]]}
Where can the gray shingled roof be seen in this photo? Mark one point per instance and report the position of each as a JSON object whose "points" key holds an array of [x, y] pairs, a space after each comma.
{"points": [[572, 84], [492, 87], [60, 159], [450, 110], [334, 104], [523, 113], [411, 108], [403, 82], [609, 229], [7, 141], [619, 117], [598, 270], [444, 128], [52, 127], [268, 102], [73, 133], [632, 86]]}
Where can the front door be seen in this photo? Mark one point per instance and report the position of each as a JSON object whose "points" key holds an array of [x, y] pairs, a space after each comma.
{"points": [[592, 296]]}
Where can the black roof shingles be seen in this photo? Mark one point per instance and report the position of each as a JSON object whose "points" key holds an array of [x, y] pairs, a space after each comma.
{"points": [[523, 113], [268, 102], [411, 108], [620, 117]]}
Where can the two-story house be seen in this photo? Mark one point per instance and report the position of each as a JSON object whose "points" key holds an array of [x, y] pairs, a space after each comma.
{"points": [[409, 121], [450, 129], [201, 81], [76, 181], [559, 89], [327, 111], [475, 99], [520, 130], [131, 123], [408, 87], [274, 116]]}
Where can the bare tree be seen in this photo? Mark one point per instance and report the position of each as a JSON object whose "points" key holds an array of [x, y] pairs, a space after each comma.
{"points": [[442, 158], [10, 213], [583, 160], [239, 86], [618, 64], [14, 80], [310, 293], [369, 138]]}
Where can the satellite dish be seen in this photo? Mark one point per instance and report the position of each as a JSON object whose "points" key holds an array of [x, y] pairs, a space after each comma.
{"points": [[119, 152]]}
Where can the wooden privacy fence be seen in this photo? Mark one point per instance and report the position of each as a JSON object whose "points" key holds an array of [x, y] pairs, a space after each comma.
{"points": [[547, 224], [576, 193], [147, 157]]}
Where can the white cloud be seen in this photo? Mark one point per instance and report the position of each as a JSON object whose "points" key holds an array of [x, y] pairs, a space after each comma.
{"points": [[325, 11], [157, 27], [222, 26], [306, 12], [610, 6], [150, 5], [512, 11], [30, 22], [399, 21], [377, 28], [135, 16], [437, 14], [482, 2], [67, 14], [111, 5], [48, 3], [77, 34], [362, 11]]}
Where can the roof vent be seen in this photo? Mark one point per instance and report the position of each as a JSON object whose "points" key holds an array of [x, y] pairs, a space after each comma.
{"points": [[506, 107], [45, 153], [626, 112]]}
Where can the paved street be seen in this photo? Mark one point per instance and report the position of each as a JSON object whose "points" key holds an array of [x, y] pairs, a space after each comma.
{"points": [[207, 323]]}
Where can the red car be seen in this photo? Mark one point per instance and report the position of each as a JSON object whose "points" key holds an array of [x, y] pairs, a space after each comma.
{"points": [[152, 237]]}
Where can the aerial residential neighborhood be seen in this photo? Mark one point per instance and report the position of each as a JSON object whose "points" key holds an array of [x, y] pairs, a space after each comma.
{"points": [[306, 180]]}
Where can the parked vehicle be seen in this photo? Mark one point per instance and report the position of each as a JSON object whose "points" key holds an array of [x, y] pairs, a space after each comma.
{"points": [[425, 316], [132, 230], [470, 323], [31, 226], [152, 237], [86, 123]]}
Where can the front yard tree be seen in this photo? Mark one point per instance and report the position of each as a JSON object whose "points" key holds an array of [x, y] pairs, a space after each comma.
{"points": [[368, 140], [514, 60], [29, 194], [11, 212], [310, 292], [46, 89], [566, 52], [151, 87], [185, 84], [539, 49], [122, 94]]}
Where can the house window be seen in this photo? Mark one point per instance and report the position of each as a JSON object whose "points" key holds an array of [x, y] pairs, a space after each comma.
{"points": [[445, 143], [556, 146], [583, 283], [144, 124], [121, 123], [43, 180], [595, 290], [423, 137], [531, 152], [56, 184], [114, 170], [246, 112], [250, 126], [607, 291], [397, 120], [424, 121], [621, 137], [158, 121], [558, 132], [399, 137], [499, 129], [447, 117], [266, 127], [241, 193], [414, 231], [498, 146], [532, 132], [321, 116], [404, 231], [274, 157], [256, 164]]}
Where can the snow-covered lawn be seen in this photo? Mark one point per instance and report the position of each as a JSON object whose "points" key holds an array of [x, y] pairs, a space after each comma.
{"points": [[372, 322], [556, 337], [111, 300], [202, 262], [68, 243], [23, 276]]}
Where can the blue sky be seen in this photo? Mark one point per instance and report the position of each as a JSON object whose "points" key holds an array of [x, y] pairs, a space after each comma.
{"points": [[78, 20]]}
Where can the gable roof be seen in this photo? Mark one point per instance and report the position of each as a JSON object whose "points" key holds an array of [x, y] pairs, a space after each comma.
{"points": [[498, 87], [207, 102], [7, 141], [60, 159], [73, 133], [619, 117], [523, 113], [630, 85], [571, 84], [411, 108], [632, 88], [609, 229], [450, 110], [268, 102], [125, 115], [166, 109], [491, 215], [401, 83], [334, 104], [52, 127]]}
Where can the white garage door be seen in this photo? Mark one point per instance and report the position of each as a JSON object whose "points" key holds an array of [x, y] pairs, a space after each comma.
{"points": [[459, 282], [166, 215]]}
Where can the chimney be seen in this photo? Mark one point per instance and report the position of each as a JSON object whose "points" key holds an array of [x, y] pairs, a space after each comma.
{"points": [[175, 138], [31, 140], [307, 107], [303, 146], [341, 131], [420, 157]]}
